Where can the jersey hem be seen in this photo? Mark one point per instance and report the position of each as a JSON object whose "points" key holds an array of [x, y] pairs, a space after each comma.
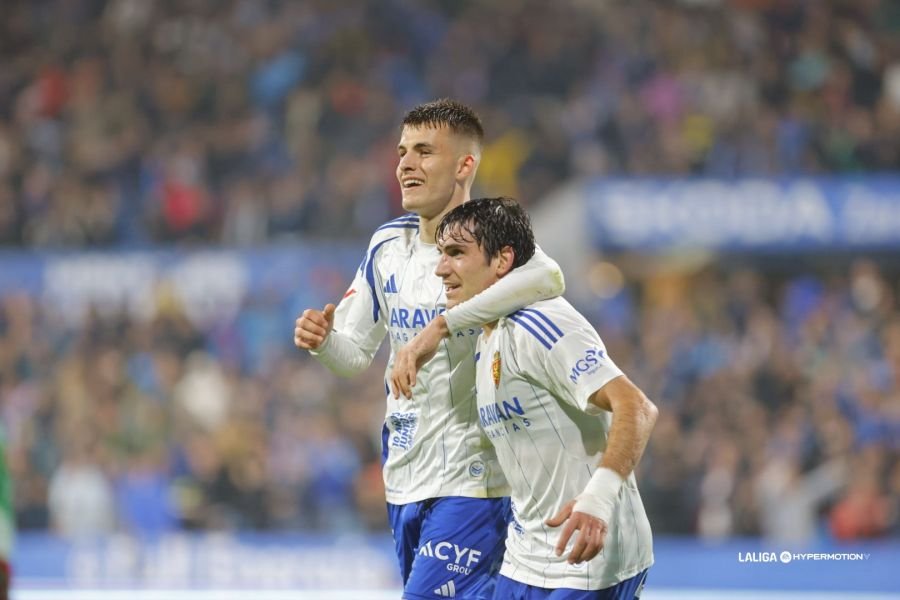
{"points": [[524, 575], [479, 494]]}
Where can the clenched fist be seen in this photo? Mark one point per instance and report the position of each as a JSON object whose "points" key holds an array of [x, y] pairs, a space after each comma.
{"points": [[313, 326]]}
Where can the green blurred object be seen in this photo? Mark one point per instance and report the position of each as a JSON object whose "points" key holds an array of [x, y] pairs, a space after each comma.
{"points": [[6, 520]]}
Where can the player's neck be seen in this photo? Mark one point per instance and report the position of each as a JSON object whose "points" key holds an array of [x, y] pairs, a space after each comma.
{"points": [[428, 225], [427, 228]]}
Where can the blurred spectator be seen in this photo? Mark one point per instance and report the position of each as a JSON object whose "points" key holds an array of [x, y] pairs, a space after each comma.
{"points": [[790, 499], [80, 495], [864, 511], [143, 494], [201, 121]]}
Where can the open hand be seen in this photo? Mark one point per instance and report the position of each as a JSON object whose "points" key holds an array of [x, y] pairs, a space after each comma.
{"points": [[591, 533]]}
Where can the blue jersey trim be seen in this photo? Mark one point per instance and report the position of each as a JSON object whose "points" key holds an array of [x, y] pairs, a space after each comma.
{"points": [[370, 277], [399, 226], [406, 221], [516, 318], [405, 217], [536, 322], [546, 320], [384, 443]]}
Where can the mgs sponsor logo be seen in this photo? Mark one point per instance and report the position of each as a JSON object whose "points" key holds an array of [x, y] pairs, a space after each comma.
{"points": [[458, 559], [587, 364], [476, 469]]}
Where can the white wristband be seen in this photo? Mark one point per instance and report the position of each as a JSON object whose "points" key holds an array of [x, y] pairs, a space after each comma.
{"points": [[600, 494]]}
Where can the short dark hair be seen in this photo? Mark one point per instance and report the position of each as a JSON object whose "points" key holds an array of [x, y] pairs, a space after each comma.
{"points": [[456, 116], [493, 223]]}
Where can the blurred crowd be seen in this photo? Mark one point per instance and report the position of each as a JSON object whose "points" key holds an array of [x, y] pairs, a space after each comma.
{"points": [[243, 121], [779, 403], [145, 425], [779, 400], [127, 123]]}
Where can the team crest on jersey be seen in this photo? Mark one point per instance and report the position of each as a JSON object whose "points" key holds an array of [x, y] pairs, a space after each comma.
{"points": [[495, 369]]}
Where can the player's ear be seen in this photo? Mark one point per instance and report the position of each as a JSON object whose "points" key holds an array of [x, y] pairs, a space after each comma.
{"points": [[467, 165], [507, 258]]}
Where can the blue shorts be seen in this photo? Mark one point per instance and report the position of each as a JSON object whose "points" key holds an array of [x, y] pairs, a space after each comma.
{"points": [[450, 547], [509, 589]]}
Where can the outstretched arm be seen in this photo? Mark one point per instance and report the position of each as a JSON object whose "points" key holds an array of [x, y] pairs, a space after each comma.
{"points": [[633, 417], [538, 279]]}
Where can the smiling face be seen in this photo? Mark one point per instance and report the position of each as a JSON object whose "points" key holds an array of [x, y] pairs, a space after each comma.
{"points": [[464, 268], [435, 169]]}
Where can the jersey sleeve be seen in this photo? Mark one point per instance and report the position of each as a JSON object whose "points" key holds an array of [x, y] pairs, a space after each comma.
{"points": [[569, 355], [538, 279], [359, 322]]}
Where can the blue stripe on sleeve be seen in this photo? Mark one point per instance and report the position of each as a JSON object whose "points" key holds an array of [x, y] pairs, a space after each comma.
{"points": [[399, 226], [546, 320], [535, 321], [404, 221], [406, 217], [370, 277], [515, 318]]}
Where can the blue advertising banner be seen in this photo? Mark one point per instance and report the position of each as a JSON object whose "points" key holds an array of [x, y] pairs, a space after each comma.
{"points": [[210, 284], [367, 562], [745, 214], [217, 561]]}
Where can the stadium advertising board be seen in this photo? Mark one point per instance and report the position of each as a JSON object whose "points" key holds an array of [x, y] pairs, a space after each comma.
{"points": [[745, 214]]}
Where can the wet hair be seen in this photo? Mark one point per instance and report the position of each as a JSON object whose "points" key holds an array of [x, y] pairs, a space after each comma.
{"points": [[456, 116], [493, 223]]}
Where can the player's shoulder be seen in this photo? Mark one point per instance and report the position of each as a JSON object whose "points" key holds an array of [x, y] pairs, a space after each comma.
{"points": [[544, 323], [403, 229]]}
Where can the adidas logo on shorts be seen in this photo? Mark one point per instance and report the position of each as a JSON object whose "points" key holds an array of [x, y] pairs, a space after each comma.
{"points": [[447, 590]]}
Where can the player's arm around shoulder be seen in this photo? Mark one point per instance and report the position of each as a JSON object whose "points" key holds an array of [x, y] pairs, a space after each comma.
{"points": [[548, 271], [538, 279]]}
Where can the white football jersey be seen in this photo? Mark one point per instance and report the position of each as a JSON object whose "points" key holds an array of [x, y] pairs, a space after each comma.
{"points": [[432, 443], [535, 374]]}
